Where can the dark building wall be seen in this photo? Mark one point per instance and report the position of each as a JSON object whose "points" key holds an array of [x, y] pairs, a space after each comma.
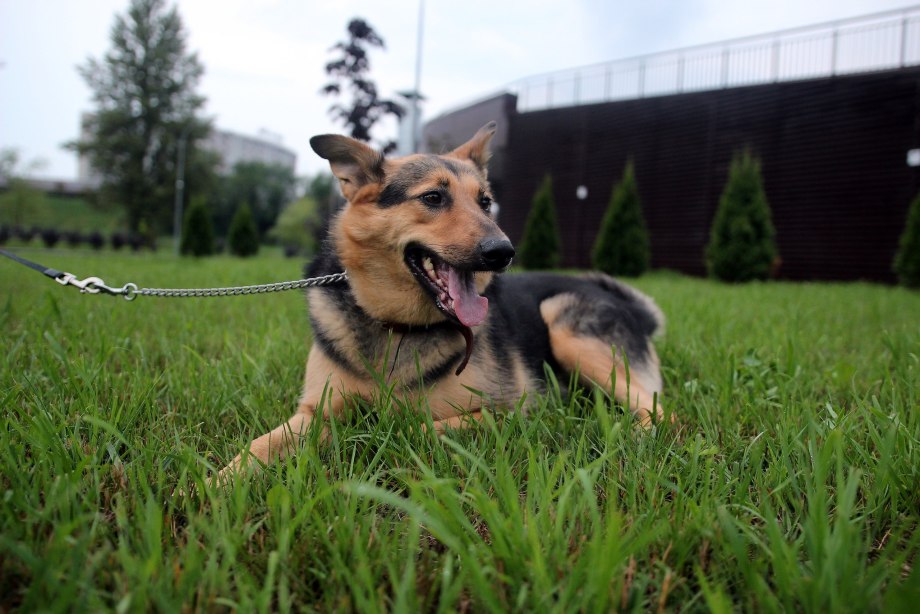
{"points": [[833, 157], [447, 131]]}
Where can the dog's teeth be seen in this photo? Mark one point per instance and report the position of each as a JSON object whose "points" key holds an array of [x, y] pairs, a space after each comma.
{"points": [[429, 266]]}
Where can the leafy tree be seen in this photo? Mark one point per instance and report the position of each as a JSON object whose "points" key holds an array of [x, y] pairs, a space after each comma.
{"points": [[294, 228], [541, 244], [144, 91], [622, 245], [907, 260], [244, 238], [742, 246], [197, 230], [349, 70]]}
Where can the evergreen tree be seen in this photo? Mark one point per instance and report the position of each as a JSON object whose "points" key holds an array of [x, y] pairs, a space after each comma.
{"points": [[622, 245], [144, 92], [197, 230], [742, 242], [244, 237], [907, 260], [541, 244]]}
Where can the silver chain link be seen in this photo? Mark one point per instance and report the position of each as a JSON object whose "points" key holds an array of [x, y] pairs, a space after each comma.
{"points": [[280, 286], [130, 291]]}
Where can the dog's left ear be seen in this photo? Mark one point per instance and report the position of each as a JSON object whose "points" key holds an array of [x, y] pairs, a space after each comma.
{"points": [[352, 162], [477, 148]]}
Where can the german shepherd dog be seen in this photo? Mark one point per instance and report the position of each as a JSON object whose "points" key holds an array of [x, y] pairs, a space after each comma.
{"points": [[425, 306]]}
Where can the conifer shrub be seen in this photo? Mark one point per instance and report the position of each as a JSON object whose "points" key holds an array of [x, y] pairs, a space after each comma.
{"points": [[742, 244], [907, 259], [73, 238], [622, 245], [197, 231], [50, 237], [243, 237], [540, 245], [27, 234], [95, 240], [118, 240]]}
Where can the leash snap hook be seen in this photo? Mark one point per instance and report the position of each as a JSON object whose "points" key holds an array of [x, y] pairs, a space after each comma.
{"points": [[95, 285]]}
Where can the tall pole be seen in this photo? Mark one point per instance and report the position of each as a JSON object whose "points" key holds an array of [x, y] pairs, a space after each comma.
{"points": [[180, 190], [418, 77]]}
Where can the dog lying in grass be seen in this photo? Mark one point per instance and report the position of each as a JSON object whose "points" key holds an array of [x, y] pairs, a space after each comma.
{"points": [[426, 307]]}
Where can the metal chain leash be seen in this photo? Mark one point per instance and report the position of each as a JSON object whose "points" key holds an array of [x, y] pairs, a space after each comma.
{"points": [[130, 291]]}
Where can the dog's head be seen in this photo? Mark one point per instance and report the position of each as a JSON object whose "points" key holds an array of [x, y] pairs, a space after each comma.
{"points": [[417, 236]]}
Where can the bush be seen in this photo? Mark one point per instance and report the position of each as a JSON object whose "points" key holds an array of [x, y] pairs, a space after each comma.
{"points": [[95, 240], [5, 234], [26, 234], [243, 238], [540, 246], [50, 237], [622, 246], [136, 242], [118, 240], [73, 238], [742, 246], [907, 260], [197, 230], [296, 225]]}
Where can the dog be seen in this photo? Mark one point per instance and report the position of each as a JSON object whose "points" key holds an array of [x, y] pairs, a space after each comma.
{"points": [[426, 307]]}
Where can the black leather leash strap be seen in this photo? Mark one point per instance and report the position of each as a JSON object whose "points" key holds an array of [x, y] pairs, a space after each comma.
{"points": [[52, 273]]}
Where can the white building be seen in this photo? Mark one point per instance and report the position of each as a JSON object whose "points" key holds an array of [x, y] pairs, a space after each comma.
{"points": [[234, 148]]}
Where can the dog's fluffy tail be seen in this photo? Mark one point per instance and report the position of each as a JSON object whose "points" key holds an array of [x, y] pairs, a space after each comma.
{"points": [[634, 297]]}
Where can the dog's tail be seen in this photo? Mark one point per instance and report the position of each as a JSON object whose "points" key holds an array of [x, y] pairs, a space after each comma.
{"points": [[653, 322]]}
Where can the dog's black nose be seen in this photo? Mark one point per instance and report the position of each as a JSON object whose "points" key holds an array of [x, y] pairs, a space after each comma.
{"points": [[496, 254]]}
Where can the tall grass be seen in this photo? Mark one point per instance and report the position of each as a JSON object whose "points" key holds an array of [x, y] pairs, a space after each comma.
{"points": [[790, 481]]}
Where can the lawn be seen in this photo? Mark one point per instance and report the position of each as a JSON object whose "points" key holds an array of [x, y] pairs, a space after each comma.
{"points": [[791, 481]]}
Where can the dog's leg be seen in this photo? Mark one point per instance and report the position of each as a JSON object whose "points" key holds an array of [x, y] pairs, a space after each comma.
{"points": [[325, 387], [274, 445], [456, 422], [596, 363]]}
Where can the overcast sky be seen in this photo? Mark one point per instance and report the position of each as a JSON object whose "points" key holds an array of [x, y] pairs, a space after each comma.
{"points": [[264, 59]]}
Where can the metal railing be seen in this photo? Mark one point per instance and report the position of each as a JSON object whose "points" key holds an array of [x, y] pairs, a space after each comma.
{"points": [[874, 42]]}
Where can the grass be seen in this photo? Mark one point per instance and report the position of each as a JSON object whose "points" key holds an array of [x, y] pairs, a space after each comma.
{"points": [[792, 482]]}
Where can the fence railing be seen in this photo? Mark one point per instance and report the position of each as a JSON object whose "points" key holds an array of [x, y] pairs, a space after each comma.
{"points": [[879, 41]]}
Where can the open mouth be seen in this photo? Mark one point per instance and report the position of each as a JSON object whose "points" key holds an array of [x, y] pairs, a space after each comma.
{"points": [[452, 289]]}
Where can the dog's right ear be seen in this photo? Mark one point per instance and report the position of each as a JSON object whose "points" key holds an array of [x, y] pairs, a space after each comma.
{"points": [[352, 162]]}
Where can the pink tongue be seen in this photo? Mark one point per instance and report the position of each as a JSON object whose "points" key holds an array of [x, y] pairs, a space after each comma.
{"points": [[470, 308]]}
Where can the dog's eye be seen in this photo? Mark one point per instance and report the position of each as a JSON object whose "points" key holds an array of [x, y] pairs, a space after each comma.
{"points": [[432, 198], [485, 202]]}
